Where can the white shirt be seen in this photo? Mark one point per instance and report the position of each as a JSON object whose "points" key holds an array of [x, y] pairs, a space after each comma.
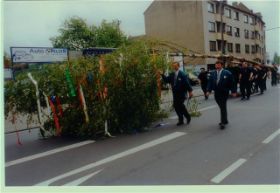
{"points": [[176, 75], [219, 72]]}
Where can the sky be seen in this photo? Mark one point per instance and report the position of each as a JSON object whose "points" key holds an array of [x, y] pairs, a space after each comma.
{"points": [[32, 23]]}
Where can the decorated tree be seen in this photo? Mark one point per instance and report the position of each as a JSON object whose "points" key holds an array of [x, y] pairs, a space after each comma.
{"points": [[116, 93]]}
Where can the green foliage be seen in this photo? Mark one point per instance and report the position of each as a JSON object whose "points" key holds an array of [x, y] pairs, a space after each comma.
{"points": [[193, 107], [132, 102], [76, 34]]}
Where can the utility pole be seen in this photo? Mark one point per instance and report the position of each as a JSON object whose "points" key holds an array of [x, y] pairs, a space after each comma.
{"points": [[222, 26]]}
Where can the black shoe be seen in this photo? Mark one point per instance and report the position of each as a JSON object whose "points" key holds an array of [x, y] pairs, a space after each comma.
{"points": [[223, 123], [222, 126], [242, 98], [180, 123]]}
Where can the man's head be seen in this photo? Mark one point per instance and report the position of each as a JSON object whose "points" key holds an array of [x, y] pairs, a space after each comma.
{"points": [[219, 65], [175, 66], [244, 65], [202, 69]]}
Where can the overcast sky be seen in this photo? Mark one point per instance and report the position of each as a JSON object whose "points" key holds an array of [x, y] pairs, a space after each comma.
{"points": [[32, 23]]}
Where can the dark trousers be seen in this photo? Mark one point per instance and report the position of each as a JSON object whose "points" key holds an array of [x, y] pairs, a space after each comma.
{"points": [[261, 83], [273, 80], [221, 99], [245, 89], [180, 109], [204, 89]]}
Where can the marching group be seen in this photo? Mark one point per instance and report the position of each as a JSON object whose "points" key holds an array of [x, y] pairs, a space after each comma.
{"points": [[251, 79], [223, 81]]}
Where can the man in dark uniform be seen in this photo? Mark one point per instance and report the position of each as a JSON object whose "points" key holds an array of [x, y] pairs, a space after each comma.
{"points": [[274, 71], [180, 86], [221, 81], [261, 78], [255, 86], [203, 78], [245, 78]]}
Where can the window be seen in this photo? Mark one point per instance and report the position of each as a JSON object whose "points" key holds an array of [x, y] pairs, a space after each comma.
{"points": [[211, 7], [220, 26], [229, 30], [253, 49], [228, 12], [246, 33], [236, 32], [237, 48], [236, 15], [251, 19], [212, 45], [246, 18], [252, 35], [221, 45], [247, 49], [211, 26], [230, 47]]}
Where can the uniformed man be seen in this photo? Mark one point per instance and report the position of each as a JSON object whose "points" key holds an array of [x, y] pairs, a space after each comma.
{"points": [[180, 86], [274, 71], [245, 78], [261, 78], [221, 82], [203, 79]]}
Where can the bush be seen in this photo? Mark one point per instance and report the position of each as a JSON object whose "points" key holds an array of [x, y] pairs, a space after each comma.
{"points": [[130, 77]]}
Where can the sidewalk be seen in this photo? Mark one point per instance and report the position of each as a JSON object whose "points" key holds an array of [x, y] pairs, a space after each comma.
{"points": [[20, 124]]}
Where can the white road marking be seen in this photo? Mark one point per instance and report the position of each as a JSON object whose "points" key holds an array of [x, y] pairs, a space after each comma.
{"points": [[203, 109], [221, 176], [47, 153], [81, 180], [206, 108], [271, 137], [113, 157]]}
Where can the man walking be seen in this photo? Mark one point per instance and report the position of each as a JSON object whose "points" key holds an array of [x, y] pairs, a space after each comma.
{"points": [[221, 82], [203, 79], [245, 78], [274, 71], [180, 86]]}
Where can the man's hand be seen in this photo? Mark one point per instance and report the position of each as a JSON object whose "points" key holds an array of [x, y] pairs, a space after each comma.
{"points": [[207, 94], [234, 94], [160, 72], [190, 94]]}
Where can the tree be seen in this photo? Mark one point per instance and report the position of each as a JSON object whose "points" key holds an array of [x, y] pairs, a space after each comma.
{"points": [[76, 34], [7, 60], [276, 58]]}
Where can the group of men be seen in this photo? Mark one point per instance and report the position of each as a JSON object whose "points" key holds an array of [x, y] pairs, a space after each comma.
{"points": [[222, 81], [250, 79]]}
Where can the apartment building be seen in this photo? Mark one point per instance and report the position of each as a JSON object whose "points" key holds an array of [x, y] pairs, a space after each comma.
{"points": [[207, 27]]}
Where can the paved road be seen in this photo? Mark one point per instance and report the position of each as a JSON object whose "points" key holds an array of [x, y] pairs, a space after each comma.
{"points": [[246, 153]]}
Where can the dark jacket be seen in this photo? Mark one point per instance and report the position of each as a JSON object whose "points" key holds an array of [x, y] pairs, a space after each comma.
{"points": [[180, 86], [225, 84]]}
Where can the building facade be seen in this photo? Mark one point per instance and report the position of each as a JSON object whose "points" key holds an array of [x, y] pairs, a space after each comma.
{"points": [[208, 27]]}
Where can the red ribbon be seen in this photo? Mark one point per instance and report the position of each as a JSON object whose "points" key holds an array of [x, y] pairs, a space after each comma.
{"points": [[55, 118], [59, 106]]}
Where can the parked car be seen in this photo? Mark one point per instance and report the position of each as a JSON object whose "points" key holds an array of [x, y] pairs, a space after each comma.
{"points": [[193, 79]]}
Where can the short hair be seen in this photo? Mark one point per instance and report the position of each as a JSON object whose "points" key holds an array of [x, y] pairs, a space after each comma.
{"points": [[219, 62], [175, 62]]}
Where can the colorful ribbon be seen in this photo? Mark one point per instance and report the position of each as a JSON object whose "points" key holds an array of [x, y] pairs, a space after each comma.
{"points": [[55, 118], [69, 81]]}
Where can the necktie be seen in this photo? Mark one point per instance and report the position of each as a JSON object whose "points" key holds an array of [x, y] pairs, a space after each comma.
{"points": [[218, 76], [175, 78]]}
